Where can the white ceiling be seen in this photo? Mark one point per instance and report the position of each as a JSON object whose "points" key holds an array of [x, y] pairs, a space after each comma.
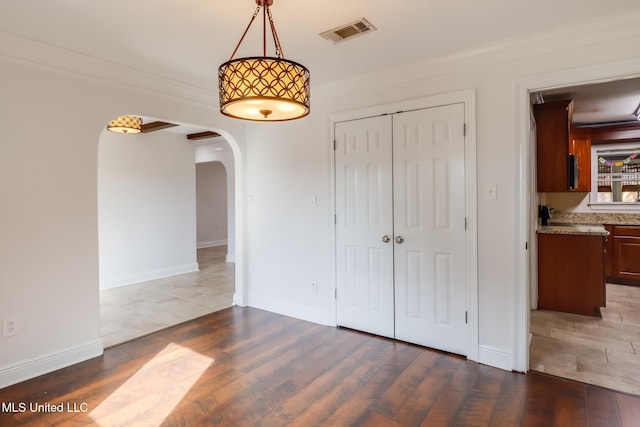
{"points": [[187, 40], [610, 102]]}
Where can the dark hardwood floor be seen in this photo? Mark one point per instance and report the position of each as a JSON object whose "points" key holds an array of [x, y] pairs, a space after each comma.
{"points": [[246, 367]]}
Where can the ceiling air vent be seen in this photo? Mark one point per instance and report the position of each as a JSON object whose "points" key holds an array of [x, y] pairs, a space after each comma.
{"points": [[348, 31]]}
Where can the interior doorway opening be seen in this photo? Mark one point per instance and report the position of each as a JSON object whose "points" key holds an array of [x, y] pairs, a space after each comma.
{"points": [[153, 272], [583, 348]]}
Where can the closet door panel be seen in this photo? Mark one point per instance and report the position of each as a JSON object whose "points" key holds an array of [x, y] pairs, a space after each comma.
{"points": [[364, 216], [429, 225]]}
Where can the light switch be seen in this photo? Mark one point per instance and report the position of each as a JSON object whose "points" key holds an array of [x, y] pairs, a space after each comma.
{"points": [[491, 191], [313, 201]]}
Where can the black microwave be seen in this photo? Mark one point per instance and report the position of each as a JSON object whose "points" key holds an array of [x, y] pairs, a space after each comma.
{"points": [[574, 172]]}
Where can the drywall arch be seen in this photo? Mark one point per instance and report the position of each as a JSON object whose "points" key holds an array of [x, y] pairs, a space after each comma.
{"points": [[230, 159]]}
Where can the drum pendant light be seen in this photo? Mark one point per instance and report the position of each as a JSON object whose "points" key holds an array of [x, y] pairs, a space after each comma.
{"points": [[125, 124], [263, 88]]}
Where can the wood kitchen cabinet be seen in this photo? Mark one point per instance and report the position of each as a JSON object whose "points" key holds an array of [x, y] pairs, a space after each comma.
{"points": [[553, 124], [608, 256], [623, 255], [571, 273], [555, 141]]}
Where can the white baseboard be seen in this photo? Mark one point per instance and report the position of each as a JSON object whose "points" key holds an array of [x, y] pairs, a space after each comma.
{"points": [[114, 282], [287, 309], [496, 358], [32, 368], [211, 243]]}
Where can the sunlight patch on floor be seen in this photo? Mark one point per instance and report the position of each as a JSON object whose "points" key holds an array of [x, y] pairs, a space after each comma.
{"points": [[150, 395]]}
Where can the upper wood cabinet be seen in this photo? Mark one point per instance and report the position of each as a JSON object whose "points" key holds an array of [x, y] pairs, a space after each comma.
{"points": [[553, 126], [580, 147]]}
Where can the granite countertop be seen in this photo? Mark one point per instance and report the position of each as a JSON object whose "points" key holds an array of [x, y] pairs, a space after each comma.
{"points": [[584, 229]]}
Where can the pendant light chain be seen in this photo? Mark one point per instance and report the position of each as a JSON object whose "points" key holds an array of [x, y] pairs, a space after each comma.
{"points": [[253, 18], [276, 40]]}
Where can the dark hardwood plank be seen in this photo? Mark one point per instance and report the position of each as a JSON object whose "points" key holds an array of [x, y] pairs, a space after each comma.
{"points": [[510, 401], [478, 408], [571, 405], [629, 408], [603, 408], [342, 366], [451, 401], [358, 408], [248, 367], [437, 371], [405, 384], [540, 406]]}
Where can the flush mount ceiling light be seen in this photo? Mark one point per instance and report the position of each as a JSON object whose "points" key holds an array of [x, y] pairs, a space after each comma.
{"points": [[125, 124], [263, 88]]}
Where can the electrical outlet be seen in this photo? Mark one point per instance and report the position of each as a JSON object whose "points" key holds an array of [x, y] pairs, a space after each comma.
{"points": [[8, 328], [314, 287]]}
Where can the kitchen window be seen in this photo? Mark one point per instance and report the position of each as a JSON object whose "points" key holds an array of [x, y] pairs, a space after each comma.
{"points": [[615, 176]]}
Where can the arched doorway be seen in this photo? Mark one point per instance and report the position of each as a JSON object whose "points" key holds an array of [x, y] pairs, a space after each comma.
{"points": [[151, 275]]}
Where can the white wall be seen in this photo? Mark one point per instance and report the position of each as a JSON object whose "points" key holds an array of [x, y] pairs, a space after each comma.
{"points": [[51, 121], [146, 207], [211, 204], [289, 239], [48, 216]]}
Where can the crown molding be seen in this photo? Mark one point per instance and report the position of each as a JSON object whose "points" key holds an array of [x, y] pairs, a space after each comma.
{"points": [[38, 55], [611, 28]]}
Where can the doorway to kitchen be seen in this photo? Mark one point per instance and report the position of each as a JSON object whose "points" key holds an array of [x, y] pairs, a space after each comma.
{"points": [[592, 349]]}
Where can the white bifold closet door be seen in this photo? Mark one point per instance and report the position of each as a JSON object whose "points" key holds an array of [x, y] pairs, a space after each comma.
{"points": [[400, 226]]}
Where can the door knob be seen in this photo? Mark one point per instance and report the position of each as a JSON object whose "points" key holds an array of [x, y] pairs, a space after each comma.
{"points": [[386, 239], [399, 239]]}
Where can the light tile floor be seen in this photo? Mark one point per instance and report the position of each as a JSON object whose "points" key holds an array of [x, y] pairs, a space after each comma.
{"points": [[604, 352], [129, 312]]}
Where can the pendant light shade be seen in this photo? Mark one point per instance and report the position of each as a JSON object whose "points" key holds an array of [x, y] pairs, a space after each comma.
{"points": [[264, 88], [125, 124]]}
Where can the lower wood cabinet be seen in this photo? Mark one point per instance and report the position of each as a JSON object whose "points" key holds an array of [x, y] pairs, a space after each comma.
{"points": [[623, 255], [571, 273]]}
